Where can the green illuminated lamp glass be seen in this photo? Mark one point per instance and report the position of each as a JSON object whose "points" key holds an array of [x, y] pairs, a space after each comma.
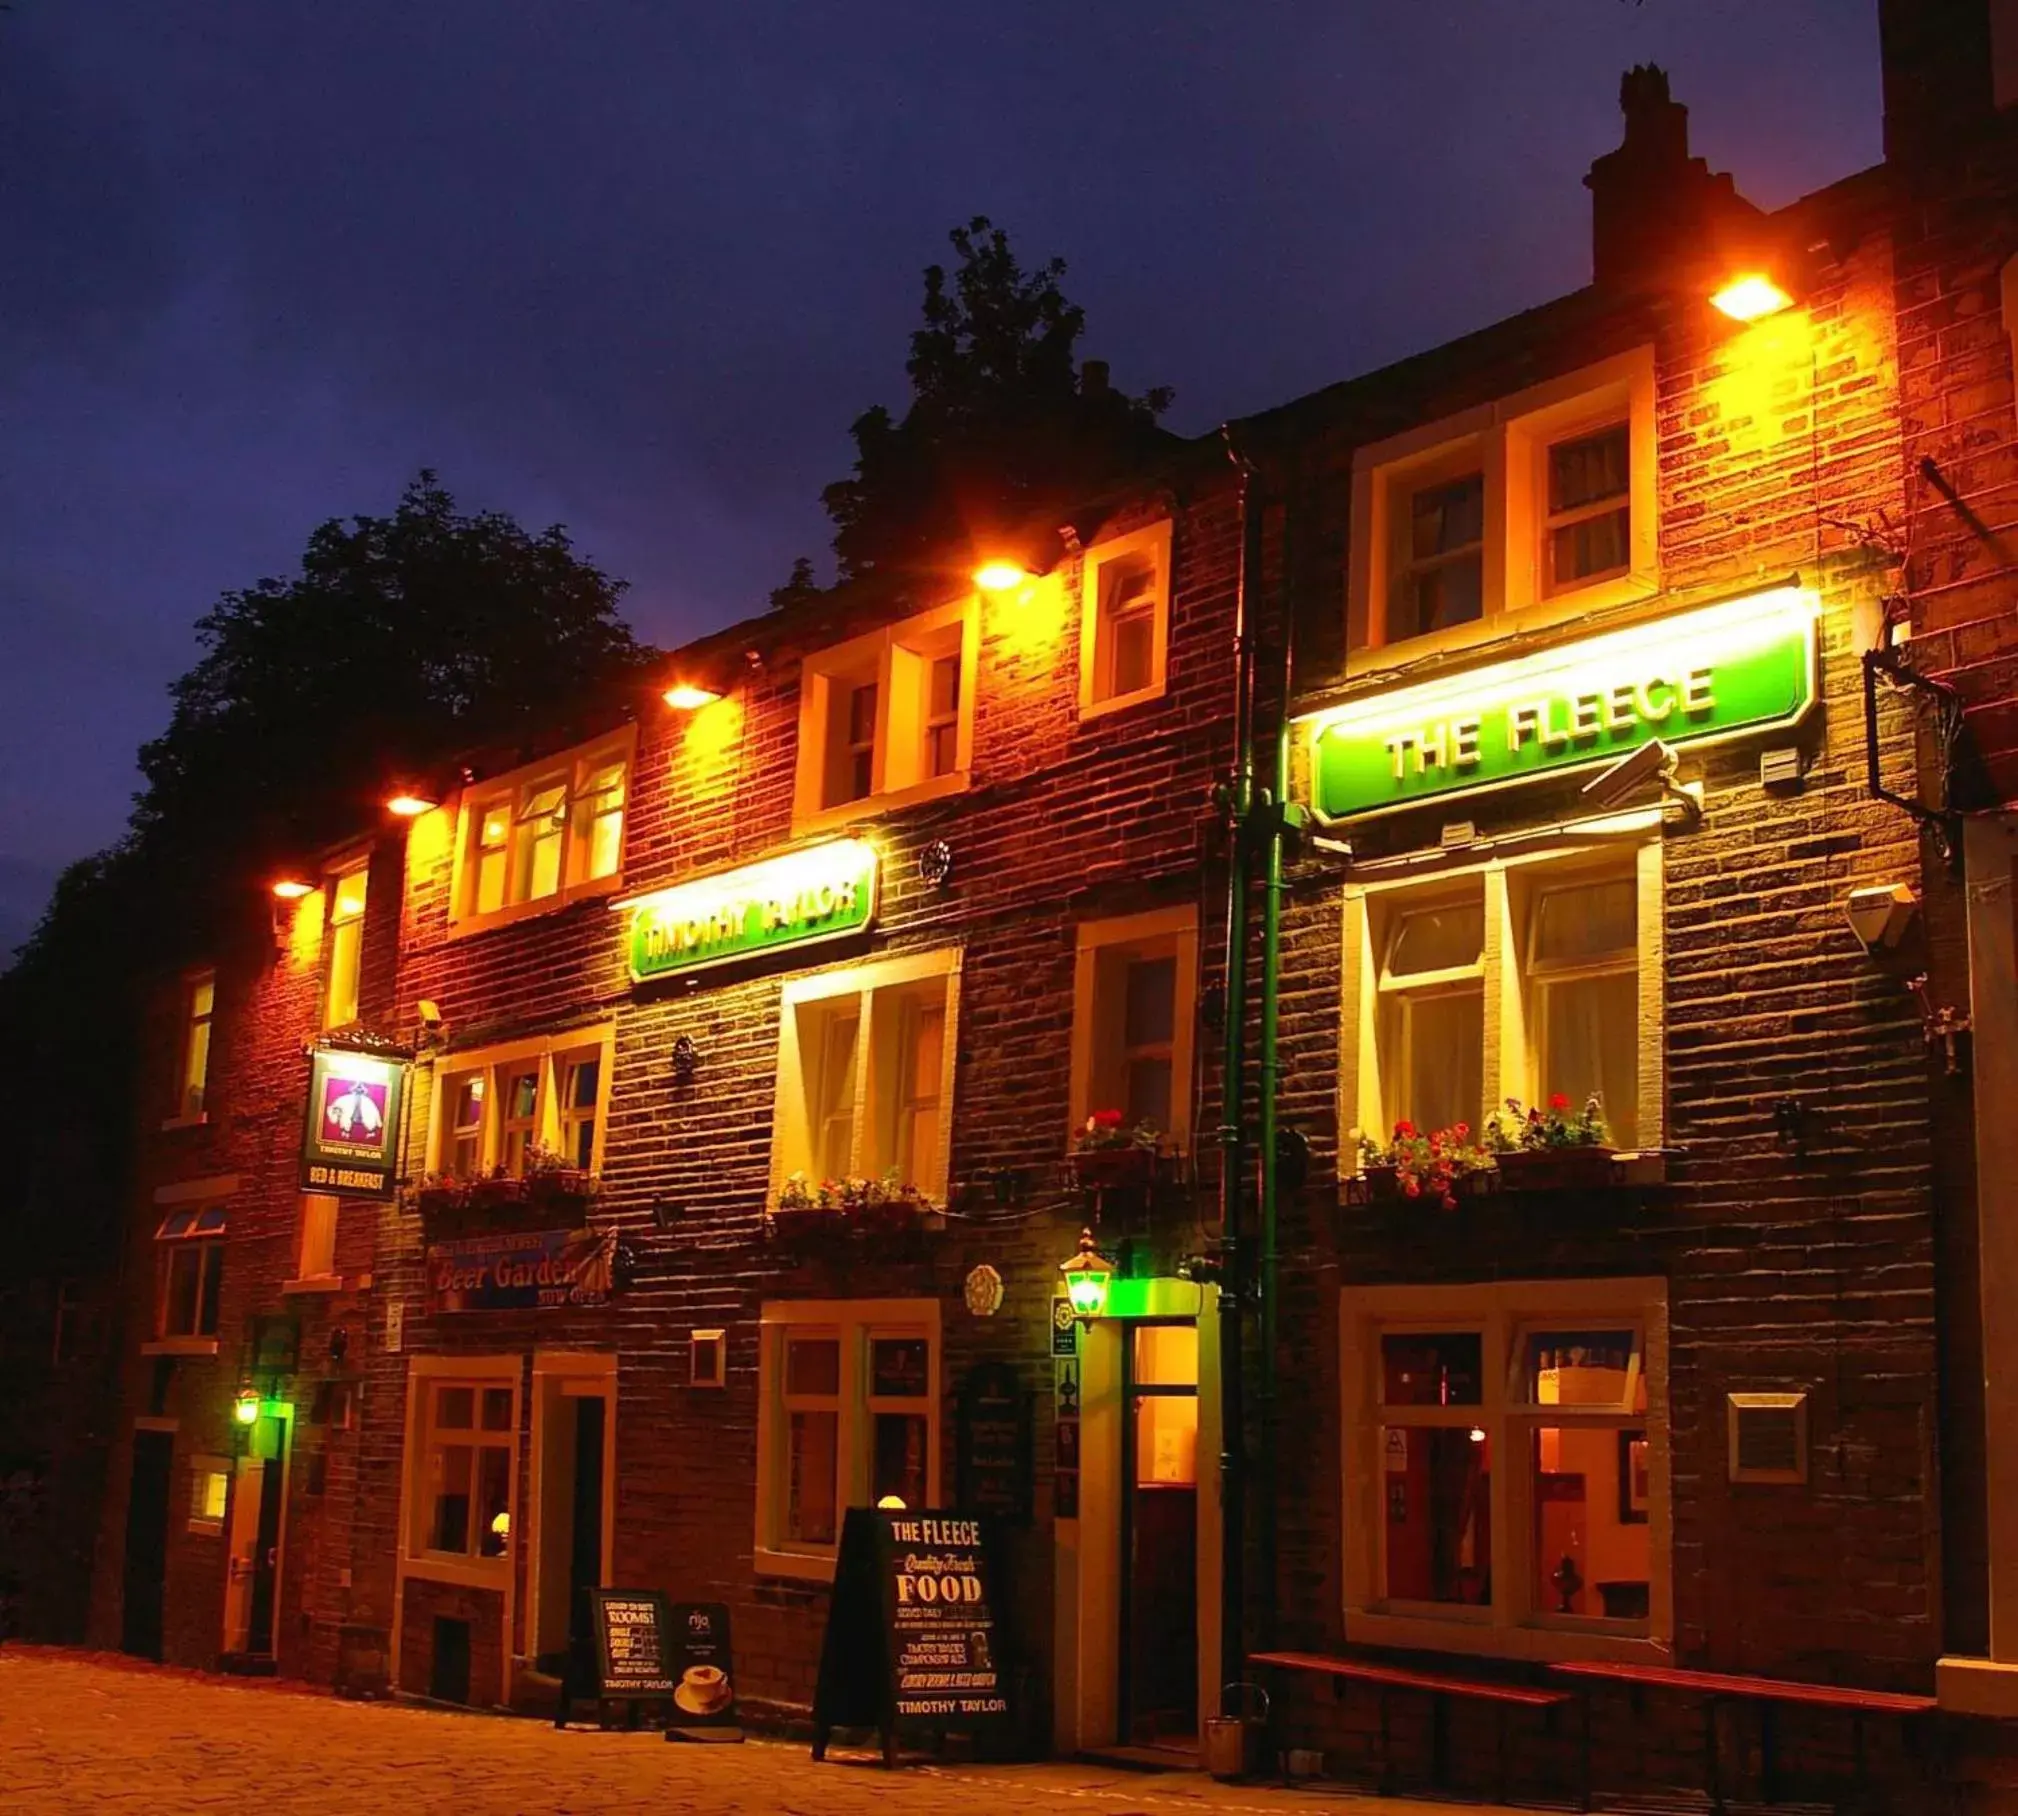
{"points": [[245, 1409], [1088, 1274]]}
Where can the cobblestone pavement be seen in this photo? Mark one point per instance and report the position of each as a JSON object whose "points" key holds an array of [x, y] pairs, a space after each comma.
{"points": [[82, 1732]]}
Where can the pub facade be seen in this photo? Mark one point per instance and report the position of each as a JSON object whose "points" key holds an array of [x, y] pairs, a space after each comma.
{"points": [[671, 1133]]}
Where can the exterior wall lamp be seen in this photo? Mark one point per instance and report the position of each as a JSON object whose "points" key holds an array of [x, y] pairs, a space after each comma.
{"points": [[409, 804], [1088, 1275], [1001, 576], [291, 888], [1750, 296], [245, 1409], [689, 696]]}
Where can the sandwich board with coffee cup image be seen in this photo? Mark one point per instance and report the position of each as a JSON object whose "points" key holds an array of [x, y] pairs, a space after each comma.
{"points": [[703, 1674], [914, 1645], [629, 1659]]}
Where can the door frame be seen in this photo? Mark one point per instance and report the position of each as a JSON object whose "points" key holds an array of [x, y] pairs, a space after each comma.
{"points": [[283, 1411], [1128, 1491], [1086, 1710], [573, 1375], [158, 1428]]}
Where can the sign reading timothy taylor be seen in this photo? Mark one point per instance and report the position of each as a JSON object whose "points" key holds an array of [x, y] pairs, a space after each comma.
{"points": [[350, 1140], [820, 893], [1740, 667]]}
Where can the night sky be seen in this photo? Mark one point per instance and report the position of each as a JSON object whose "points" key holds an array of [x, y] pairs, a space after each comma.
{"points": [[636, 264]]}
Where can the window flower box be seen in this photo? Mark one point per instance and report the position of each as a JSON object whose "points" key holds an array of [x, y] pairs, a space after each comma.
{"points": [[1558, 1169], [1552, 1150], [1109, 1156], [840, 1209]]}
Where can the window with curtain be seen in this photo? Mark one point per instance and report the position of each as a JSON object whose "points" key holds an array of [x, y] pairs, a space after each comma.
{"points": [[1432, 1012], [468, 1443], [1133, 1009], [199, 1006], [494, 1111], [1582, 975], [544, 834], [347, 890], [1587, 530], [1440, 579]]}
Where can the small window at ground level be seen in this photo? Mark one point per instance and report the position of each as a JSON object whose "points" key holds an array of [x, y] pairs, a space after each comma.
{"points": [[209, 1492]]}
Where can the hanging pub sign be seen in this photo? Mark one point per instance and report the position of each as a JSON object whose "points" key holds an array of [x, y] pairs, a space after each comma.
{"points": [[516, 1270], [913, 1644], [820, 893], [1699, 677], [350, 1143]]}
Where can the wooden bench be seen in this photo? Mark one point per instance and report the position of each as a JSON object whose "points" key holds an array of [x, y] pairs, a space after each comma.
{"points": [[1720, 1687], [1437, 1685]]}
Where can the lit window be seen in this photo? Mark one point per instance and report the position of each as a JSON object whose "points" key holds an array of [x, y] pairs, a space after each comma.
{"points": [[191, 1272], [1440, 574], [315, 1256], [1432, 1011], [1587, 534], [887, 715], [467, 1446], [847, 1418], [199, 1006], [346, 945], [1540, 497], [544, 834], [1529, 1410], [1560, 945], [1133, 1016], [865, 1068], [1583, 982], [1125, 631], [209, 1492], [499, 1110]]}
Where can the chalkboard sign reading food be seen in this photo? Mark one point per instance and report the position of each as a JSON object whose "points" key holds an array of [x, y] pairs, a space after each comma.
{"points": [[703, 1671], [913, 1642]]}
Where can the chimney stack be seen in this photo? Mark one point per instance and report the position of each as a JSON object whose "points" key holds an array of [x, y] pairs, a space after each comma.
{"points": [[1653, 207], [1093, 378], [1938, 72]]}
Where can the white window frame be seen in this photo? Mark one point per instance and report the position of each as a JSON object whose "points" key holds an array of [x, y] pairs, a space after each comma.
{"points": [[571, 770], [208, 1246], [1175, 928], [1508, 441], [828, 676], [1364, 1101], [1152, 542], [190, 1078], [854, 1322], [426, 1374], [1517, 1624], [343, 983], [549, 1056], [794, 1144]]}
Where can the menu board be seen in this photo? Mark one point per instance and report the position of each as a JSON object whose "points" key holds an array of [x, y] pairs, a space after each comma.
{"points": [[704, 1673], [913, 1641], [631, 1626], [995, 1444]]}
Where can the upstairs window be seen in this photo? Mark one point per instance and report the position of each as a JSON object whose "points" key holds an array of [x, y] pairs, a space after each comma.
{"points": [[496, 1110], [865, 1074], [199, 1006], [1522, 510], [315, 1252], [887, 717], [543, 835], [346, 944], [191, 1274], [1134, 1010], [1125, 620], [1432, 1010], [1582, 980]]}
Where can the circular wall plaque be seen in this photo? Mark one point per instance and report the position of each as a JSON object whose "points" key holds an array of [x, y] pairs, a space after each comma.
{"points": [[983, 1291]]}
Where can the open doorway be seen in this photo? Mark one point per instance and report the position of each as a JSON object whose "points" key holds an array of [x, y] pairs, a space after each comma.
{"points": [[1159, 1537], [574, 1407], [257, 1536], [146, 1573]]}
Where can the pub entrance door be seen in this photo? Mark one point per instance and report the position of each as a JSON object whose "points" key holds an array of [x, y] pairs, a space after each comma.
{"points": [[574, 1402], [252, 1580], [146, 1573], [1158, 1654]]}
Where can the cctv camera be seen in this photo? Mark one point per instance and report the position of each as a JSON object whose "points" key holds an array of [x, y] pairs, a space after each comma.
{"points": [[429, 1013], [1880, 914], [1611, 786]]}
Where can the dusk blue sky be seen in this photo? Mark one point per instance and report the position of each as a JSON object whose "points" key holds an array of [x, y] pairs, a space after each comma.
{"points": [[635, 265]]}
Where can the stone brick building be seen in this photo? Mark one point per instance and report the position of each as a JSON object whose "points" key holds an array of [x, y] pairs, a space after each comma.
{"points": [[908, 887]]}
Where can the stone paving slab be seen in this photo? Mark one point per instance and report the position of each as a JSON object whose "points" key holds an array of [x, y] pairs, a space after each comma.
{"points": [[84, 1734]]}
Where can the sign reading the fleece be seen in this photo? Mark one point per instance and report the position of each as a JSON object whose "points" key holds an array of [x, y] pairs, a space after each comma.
{"points": [[1744, 666], [820, 893]]}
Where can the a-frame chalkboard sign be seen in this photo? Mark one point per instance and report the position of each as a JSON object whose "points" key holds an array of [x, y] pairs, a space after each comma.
{"points": [[628, 1659], [914, 1642]]}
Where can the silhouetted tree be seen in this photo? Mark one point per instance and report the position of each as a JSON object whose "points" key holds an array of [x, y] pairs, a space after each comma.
{"points": [[1001, 422]]}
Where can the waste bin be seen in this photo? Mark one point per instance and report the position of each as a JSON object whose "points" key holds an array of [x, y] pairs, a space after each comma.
{"points": [[1233, 1737]]}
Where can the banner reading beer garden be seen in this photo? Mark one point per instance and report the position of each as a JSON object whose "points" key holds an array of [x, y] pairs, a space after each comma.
{"points": [[820, 893], [1744, 666]]}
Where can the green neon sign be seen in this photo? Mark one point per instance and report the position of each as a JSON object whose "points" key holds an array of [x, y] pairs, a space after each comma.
{"points": [[821, 893], [1741, 667]]}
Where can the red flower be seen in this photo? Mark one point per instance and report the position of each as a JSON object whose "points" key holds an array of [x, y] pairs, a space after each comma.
{"points": [[1557, 1101], [1110, 1119], [1410, 1187], [1404, 1129], [1461, 1130]]}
